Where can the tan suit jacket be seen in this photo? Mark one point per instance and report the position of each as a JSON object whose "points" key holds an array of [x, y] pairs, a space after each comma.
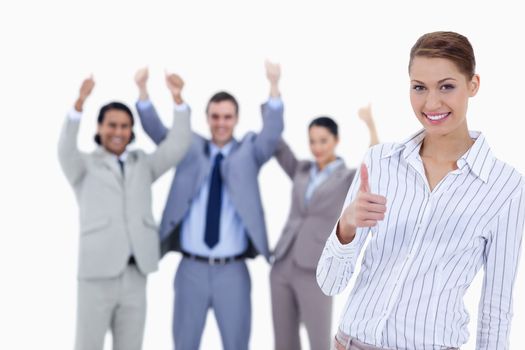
{"points": [[309, 225]]}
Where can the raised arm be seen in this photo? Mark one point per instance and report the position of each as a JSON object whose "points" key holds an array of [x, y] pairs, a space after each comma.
{"points": [[177, 141], [365, 114], [149, 118], [272, 113], [361, 211], [70, 158], [501, 257], [286, 158]]}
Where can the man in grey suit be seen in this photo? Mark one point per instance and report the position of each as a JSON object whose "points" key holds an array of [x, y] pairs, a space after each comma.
{"points": [[119, 243], [214, 216]]}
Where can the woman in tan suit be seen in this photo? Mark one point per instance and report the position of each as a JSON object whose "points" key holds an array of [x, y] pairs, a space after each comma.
{"points": [[319, 189]]}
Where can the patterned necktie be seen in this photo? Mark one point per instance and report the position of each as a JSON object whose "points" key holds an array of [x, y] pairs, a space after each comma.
{"points": [[213, 210]]}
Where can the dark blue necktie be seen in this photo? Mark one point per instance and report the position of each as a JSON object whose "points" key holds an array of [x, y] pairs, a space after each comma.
{"points": [[213, 210], [121, 163]]}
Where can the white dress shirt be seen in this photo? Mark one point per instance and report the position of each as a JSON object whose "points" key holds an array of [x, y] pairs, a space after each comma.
{"points": [[423, 256]]}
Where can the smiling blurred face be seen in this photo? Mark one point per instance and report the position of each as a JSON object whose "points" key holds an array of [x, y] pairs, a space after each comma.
{"points": [[322, 144], [439, 94], [115, 131], [222, 119]]}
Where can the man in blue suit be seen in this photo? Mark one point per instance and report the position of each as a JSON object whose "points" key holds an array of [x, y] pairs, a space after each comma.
{"points": [[214, 216]]}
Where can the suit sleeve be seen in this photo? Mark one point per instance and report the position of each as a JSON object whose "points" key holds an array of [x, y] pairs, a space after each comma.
{"points": [[173, 147], [501, 257], [286, 158], [72, 161], [338, 261], [151, 122], [266, 141]]}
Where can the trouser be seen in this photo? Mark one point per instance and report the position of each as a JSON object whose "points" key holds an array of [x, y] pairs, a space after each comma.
{"points": [[225, 288], [118, 304], [296, 299]]}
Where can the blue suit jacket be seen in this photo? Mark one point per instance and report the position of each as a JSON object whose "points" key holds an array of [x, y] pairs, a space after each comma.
{"points": [[240, 171]]}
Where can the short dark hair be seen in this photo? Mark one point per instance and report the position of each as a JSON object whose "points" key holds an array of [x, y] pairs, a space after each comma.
{"points": [[325, 122], [119, 106], [449, 45], [223, 96]]}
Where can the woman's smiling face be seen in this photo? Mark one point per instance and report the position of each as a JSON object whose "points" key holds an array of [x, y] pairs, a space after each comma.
{"points": [[439, 94]]}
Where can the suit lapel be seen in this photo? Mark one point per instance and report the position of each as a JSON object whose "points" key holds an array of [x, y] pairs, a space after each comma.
{"points": [[203, 165], [129, 168], [109, 161], [329, 181], [226, 163], [301, 183]]}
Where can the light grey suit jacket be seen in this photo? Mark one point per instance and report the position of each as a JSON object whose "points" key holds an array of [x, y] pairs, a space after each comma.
{"points": [[239, 170], [115, 210], [308, 226]]}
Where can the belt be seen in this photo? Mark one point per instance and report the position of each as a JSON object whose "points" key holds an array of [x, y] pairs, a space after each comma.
{"points": [[345, 342], [214, 261]]}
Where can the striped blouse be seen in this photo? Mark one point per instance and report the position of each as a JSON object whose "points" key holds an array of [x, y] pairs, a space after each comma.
{"points": [[422, 257]]}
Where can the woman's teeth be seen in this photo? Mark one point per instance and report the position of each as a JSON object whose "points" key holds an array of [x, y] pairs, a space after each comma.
{"points": [[436, 117]]}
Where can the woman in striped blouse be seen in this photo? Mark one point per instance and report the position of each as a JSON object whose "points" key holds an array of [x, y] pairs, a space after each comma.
{"points": [[438, 207]]}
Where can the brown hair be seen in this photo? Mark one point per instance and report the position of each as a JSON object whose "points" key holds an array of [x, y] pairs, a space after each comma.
{"points": [[449, 45], [223, 96]]}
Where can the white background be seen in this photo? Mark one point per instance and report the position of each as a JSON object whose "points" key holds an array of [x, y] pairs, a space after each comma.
{"points": [[335, 56]]}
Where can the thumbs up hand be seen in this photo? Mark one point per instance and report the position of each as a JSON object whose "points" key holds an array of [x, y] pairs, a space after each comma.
{"points": [[365, 210]]}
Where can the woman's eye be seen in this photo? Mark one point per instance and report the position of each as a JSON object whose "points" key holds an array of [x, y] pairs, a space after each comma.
{"points": [[418, 87], [447, 87]]}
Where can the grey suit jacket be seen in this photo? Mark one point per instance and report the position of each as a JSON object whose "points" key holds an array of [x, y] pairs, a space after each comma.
{"points": [[115, 210], [239, 169], [308, 226]]}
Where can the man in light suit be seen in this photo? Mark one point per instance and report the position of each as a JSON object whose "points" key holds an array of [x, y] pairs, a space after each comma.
{"points": [[119, 243], [214, 216]]}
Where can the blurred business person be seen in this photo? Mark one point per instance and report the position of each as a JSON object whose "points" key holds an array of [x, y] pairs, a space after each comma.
{"points": [[318, 193], [119, 243], [214, 216]]}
